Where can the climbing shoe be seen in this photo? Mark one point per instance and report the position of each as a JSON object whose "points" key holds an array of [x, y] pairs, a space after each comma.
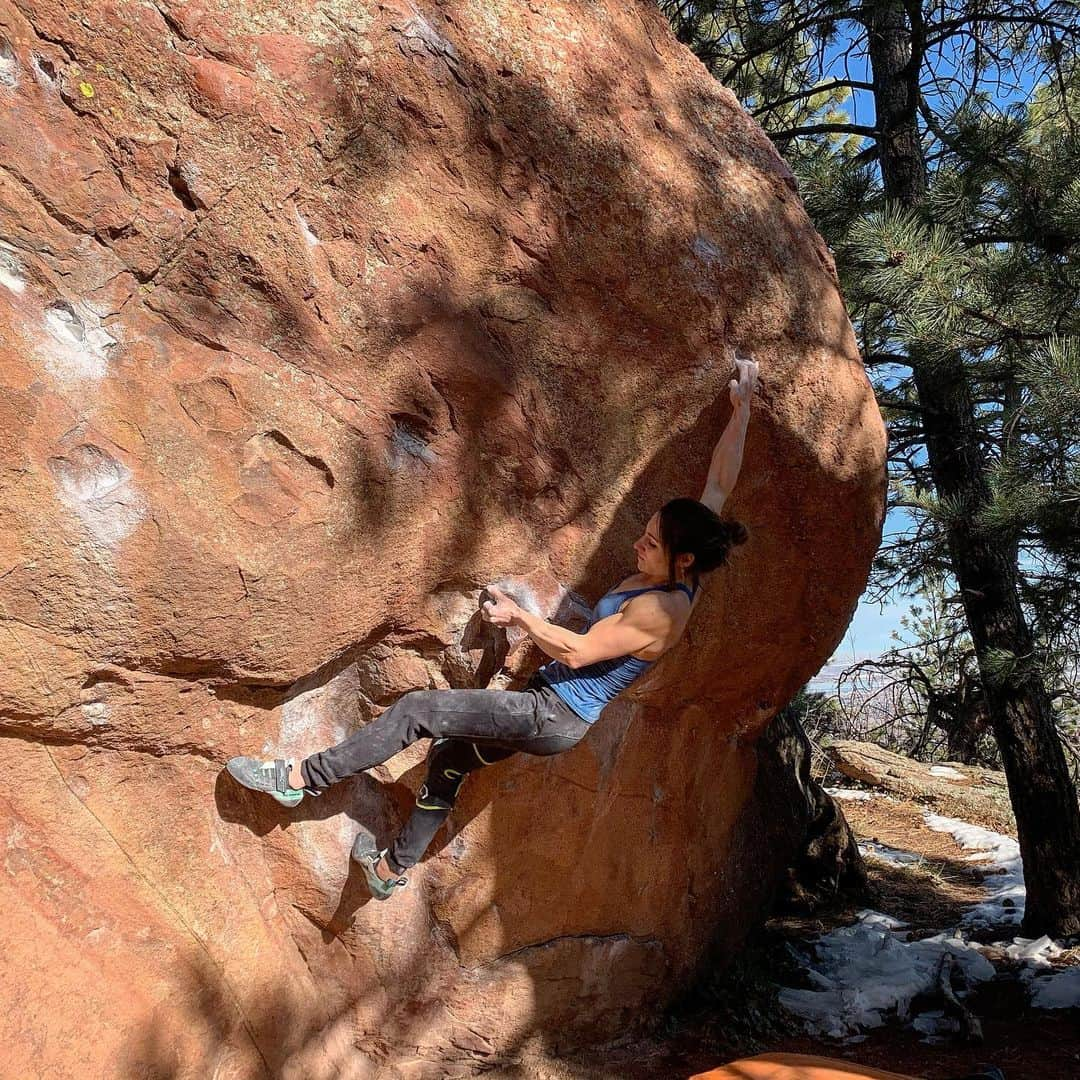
{"points": [[367, 859], [271, 777]]}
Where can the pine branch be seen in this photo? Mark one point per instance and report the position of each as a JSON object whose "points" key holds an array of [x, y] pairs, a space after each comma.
{"points": [[878, 359], [772, 44], [823, 129], [803, 95], [946, 29]]}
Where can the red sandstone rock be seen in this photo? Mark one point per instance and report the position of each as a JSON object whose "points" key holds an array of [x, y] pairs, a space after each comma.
{"points": [[314, 320]]}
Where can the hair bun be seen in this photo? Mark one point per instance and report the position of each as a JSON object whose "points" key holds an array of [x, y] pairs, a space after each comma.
{"points": [[737, 533]]}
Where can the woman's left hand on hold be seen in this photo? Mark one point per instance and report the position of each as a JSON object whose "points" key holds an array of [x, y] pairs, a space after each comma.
{"points": [[500, 609]]}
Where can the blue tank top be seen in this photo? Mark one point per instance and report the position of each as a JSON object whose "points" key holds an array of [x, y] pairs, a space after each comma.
{"points": [[588, 689]]}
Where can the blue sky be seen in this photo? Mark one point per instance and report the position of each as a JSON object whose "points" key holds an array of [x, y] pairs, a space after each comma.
{"points": [[868, 634], [946, 62]]}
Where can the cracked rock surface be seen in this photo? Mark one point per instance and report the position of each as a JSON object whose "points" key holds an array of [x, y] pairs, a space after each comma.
{"points": [[315, 319]]}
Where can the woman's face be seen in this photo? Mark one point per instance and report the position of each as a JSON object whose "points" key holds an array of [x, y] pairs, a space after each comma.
{"points": [[652, 558]]}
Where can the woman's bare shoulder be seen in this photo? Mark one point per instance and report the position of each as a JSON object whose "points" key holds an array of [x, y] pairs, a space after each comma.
{"points": [[626, 584]]}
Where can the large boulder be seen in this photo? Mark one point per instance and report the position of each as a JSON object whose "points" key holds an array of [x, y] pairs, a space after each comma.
{"points": [[315, 319]]}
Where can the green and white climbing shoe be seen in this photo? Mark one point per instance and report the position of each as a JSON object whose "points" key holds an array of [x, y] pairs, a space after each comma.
{"points": [[368, 860], [271, 777]]}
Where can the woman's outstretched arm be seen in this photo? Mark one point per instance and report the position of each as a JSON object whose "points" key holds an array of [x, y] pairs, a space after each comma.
{"points": [[727, 457]]}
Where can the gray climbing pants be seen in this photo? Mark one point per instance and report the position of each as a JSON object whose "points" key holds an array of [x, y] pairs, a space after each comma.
{"points": [[470, 729]]}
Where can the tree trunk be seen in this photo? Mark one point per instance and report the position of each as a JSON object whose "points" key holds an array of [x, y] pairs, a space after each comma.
{"points": [[1043, 797], [1042, 793], [895, 68], [961, 745], [961, 735]]}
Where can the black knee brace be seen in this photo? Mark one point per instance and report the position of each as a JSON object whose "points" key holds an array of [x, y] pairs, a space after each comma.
{"points": [[448, 763]]}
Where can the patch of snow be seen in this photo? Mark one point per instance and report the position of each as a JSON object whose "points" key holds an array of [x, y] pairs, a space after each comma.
{"points": [[1061, 990], [866, 971], [849, 793], [862, 973], [1035, 951], [891, 855], [880, 920], [934, 1023], [857, 795], [1049, 987], [1004, 902], [947, 772]]}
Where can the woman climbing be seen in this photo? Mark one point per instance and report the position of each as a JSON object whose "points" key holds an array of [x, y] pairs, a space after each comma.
{"points": [[630, 628]]}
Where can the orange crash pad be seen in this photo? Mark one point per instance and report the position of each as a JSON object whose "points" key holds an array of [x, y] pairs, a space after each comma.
{"points": [[797, 1067]]}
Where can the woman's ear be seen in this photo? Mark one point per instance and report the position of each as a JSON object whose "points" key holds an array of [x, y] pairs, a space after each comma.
{"points": [[684, 561]]}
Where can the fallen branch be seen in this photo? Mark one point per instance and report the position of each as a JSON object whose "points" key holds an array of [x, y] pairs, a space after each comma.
{"points": [[970, 1025]]}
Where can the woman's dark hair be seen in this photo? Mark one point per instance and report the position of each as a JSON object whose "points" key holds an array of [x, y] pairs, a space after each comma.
{"points": [[690, 527]]}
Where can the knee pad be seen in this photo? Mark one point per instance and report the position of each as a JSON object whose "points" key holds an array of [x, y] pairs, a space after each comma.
{"points": [[448, 764], [453, 756], [486, 754]]}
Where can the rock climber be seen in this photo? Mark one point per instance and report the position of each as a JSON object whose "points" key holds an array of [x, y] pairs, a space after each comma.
{"points": [[630, 628]]}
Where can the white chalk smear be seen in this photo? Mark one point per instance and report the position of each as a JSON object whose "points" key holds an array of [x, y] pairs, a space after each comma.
{"points": [[9, 66], [99, 489], [75, 345], [10, 270], [305, 230], [97, 712]]}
